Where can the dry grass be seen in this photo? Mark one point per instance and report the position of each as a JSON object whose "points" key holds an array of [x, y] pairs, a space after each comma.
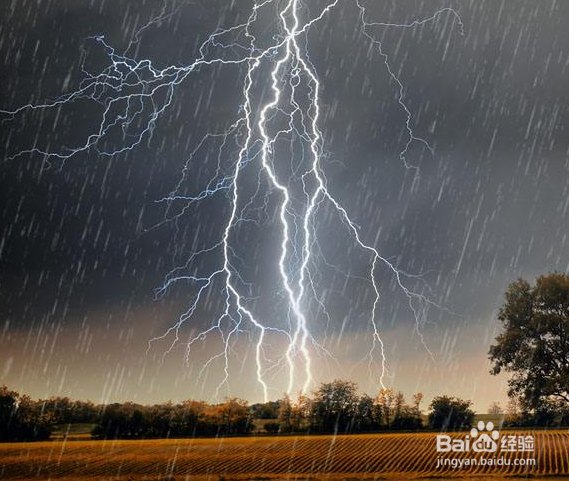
{"points": [[397, 456]]}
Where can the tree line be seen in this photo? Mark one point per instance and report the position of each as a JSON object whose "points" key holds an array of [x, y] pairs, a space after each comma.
{"points": [[335, 407], [23, 419]]}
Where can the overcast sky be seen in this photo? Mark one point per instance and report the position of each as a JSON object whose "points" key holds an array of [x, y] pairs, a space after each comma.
{"points": [[83, 249]]}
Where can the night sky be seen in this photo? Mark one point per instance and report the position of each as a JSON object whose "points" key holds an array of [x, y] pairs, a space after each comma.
{"points": [[86, 243]]}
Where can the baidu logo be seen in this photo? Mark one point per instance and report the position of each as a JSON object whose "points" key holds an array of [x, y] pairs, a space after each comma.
{"points": [[484, 442], [483, 439]]}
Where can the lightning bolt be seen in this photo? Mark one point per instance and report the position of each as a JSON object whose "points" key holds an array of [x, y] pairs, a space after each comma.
{"points": [[134, 92]]}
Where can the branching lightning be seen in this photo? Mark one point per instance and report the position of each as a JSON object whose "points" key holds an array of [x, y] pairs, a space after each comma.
{"points": [[134, 93]]}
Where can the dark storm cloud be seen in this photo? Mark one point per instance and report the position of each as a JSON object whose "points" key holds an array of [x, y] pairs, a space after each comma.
{"points": [[489, 205]]}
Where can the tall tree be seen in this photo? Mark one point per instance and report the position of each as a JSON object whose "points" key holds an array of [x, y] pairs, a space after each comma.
{"points": [[385, 402], [534, 343], [495, 408], [335, 406], [292, 416]]}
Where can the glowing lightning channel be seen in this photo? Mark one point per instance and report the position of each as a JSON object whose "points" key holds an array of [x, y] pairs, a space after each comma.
{"points": [[138, 91]]}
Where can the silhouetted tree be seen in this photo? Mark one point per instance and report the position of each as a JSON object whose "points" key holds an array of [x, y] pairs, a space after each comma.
{"points": [[534, 343], [294, 416], [285, 414], [385, 402], [366, 417], [449, 413], [407, 417], [20, 419], [495, 408], [334, 407], [417, 399], [65, 411]]}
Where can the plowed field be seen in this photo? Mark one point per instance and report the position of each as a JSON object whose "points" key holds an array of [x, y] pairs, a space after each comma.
{"points": [[399, 456]]}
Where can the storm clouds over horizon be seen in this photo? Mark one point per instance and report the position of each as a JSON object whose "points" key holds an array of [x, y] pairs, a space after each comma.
{"points": [[82, 247]]}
